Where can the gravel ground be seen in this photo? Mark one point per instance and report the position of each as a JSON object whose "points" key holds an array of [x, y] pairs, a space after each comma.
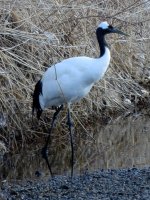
{"points": [[124, 184]]}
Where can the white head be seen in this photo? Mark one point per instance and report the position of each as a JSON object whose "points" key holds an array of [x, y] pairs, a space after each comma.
{"points": [[103, 25]]}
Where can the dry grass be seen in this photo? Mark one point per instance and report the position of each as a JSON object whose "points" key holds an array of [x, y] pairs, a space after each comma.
{"points": [[35, 34]]}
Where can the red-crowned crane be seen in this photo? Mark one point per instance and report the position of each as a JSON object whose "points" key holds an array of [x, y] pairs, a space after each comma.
{"points": [[69, 81]]}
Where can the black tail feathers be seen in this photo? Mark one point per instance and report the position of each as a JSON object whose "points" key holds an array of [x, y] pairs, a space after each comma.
{"points": [[36, 103]]}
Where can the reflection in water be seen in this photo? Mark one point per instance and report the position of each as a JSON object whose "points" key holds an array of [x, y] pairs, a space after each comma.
{"points": [[120, 144]]}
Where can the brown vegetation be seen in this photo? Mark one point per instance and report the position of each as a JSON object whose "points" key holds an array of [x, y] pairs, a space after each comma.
{"points": [[35, 34]]}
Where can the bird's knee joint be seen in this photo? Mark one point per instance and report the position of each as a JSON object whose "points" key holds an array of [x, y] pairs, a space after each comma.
{"points": [[70, 123], [44, 152]]}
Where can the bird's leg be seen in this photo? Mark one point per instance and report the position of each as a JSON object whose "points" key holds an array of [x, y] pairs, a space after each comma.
{"points": [[70, 126], [44, 149]]}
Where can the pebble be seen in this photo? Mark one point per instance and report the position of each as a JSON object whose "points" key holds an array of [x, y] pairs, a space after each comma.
{"points": [[113, 184]]}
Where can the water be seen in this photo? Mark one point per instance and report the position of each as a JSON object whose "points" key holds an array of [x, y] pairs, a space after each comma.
{"points": [[123, 143]]}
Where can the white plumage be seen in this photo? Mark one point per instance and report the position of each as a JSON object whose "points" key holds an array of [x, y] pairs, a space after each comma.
{"points": [[70, 80]]}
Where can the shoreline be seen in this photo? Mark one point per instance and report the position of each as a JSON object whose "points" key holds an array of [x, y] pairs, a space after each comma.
{"points": [[120, 184]]}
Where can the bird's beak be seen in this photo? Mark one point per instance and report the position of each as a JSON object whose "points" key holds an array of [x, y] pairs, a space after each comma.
{"points": [[115, 30]]}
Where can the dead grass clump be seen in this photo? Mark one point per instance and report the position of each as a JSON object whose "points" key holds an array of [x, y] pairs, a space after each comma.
{"points": [[35, 34]]}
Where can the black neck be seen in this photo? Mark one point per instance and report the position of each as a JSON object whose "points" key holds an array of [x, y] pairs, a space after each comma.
{"points": [[101, 41]]}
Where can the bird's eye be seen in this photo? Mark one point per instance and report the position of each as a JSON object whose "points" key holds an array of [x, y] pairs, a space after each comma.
{"points": [[110, 27]]}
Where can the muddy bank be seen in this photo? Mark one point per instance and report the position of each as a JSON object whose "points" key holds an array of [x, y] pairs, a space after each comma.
{"points": [[105, 184]]}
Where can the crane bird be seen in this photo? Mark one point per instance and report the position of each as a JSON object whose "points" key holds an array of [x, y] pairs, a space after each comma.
{"points": [[69, 81]]}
